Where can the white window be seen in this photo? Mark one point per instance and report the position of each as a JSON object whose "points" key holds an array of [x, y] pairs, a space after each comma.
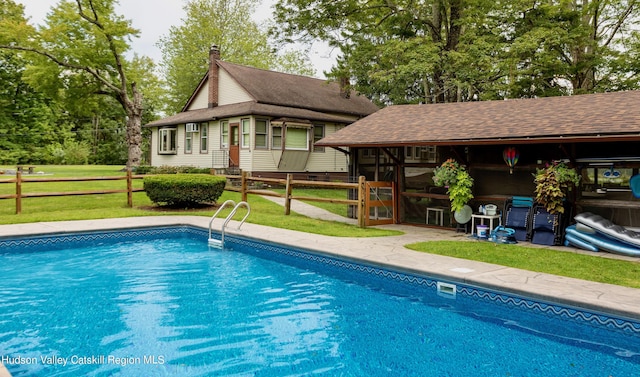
{"points": [[204, 137], [224, 132], [261, 133], [246, 132], [276, 137], [188, 142], [297, 139], [167, 138], [408, 152], [428, 153], [318, 133]]}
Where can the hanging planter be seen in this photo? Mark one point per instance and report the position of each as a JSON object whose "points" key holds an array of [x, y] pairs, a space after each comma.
{"points": [[458, 182]]}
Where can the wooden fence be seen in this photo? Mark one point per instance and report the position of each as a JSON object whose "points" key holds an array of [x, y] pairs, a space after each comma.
{"points": [[19, 195], [289, 183], [244, 189]]}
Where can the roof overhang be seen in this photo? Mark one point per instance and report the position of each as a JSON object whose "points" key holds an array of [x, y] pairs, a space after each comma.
{"points": [[496, 141], [602, 117], [249, 108]]}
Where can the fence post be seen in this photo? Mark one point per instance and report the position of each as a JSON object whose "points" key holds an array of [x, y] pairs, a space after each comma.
{"points": [[362, 192], [243, 185], [287, 195], [129, 189], [18, 192]]}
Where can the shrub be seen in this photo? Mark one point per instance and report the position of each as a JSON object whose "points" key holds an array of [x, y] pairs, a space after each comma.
{"points": [[166, 169], [143, 169], [185, 190]]}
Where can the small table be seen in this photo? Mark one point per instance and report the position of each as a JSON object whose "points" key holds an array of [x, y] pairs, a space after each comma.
{"points": [[438, 211], [482, 217]]}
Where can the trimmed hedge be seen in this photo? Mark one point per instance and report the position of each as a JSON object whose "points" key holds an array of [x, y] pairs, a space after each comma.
{"points": [[165, 169], [184, 190]]}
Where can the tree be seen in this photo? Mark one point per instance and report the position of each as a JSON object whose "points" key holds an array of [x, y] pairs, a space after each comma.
{"points": [[560, 47], [27, 118], [401, 51], [460, 50], [226, 23], [83, 46], [610, 28]]}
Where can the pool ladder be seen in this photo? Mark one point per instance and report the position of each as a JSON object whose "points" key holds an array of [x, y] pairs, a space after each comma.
{"points": [[220, 243]]}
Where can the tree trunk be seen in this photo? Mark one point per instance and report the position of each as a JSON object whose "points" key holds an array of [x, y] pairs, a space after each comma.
{"points": [[134, 127]]}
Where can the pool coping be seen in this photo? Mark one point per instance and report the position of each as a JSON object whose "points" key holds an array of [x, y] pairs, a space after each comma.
{"points": [[4, 372], [388, 252]]}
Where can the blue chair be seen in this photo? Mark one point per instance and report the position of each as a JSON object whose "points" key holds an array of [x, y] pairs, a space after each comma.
{"points": [[518, 216], [544, 227]]}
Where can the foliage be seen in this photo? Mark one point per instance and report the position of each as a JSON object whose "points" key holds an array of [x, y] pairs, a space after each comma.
{"points": [[458, 181], [184, 190], [227, 24], [166, 169], [552, 185], [27, 117], [71, 153], [447, 51], [80, 53]]}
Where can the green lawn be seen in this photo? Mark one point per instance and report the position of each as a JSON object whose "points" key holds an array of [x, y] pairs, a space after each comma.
{"points": [[267, 213], [556, 262], [338, 209], [86, 207]]}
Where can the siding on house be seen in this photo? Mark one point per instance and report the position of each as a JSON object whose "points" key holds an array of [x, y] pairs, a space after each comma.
{"points": [[251, 158], [230, 91], [265, 160], [201, 99], [329, 160], [196, 157]]}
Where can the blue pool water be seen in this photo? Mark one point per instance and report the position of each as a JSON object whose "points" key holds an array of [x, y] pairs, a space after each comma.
{"points": [[174, 307]]}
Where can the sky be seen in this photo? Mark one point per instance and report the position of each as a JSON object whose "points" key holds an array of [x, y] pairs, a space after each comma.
{"points": [[154, 17]]}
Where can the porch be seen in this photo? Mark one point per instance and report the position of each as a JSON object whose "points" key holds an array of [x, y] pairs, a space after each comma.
{"points": [[605, 170]]}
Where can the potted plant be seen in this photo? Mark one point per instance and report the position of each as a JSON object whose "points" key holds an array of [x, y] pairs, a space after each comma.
{"points": [[552, 185], [458, 182]]}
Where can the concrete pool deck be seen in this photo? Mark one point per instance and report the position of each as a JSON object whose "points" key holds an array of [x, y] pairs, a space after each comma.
{"points": [[390, 251]]}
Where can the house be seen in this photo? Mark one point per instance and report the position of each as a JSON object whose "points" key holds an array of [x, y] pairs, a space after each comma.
{"points": [[263, 122], [599, 134]]}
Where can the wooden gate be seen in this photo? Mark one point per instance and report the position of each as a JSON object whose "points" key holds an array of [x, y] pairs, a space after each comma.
{"points": [[380, 203]]}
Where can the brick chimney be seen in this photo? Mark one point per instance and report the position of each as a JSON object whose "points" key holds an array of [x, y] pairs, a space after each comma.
{"points": [[214, 56]]}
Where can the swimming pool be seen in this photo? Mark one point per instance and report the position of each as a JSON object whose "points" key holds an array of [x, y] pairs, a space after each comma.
{"points": [[112, 303]]}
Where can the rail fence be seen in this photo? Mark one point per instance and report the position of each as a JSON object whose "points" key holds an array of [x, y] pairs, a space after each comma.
{"points": [[289, 183], [244, 188], [19, 180]]}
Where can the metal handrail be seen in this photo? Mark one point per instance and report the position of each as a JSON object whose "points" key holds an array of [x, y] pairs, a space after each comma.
{"points": [[230, 216], [218, 211]]}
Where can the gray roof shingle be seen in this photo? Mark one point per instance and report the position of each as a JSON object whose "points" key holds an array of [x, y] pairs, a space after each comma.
{"points": [[280, 95], [283, 89], [570, 118], [247, 108]]}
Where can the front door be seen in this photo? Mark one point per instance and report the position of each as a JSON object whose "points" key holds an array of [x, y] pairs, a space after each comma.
{"points": [[234, 145]]}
